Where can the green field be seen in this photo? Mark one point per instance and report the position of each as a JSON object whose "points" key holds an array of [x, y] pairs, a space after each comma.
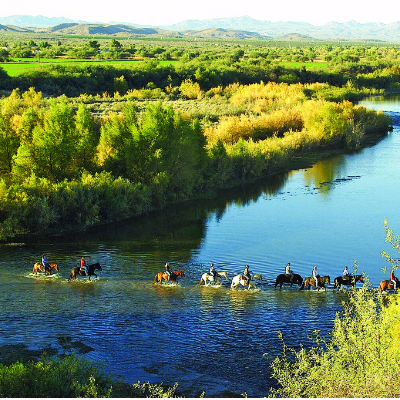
{"points": [[20, 66]]}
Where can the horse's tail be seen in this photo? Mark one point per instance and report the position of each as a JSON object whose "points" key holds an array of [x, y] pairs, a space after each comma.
{"points": [[156, 278]]}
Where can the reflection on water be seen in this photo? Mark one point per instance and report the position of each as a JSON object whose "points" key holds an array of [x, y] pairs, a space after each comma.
{"points": [[323, 173], [206, 338]]}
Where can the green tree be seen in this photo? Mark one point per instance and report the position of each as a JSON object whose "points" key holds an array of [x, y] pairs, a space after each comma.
{"points": [[86, 139], [9, 143], [53, 143]]}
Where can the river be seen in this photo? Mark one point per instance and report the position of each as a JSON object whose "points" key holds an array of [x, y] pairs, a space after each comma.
{"points": [[205, 338]]}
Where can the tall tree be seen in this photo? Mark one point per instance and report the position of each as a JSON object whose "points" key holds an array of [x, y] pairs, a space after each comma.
{"points": [[86, 140], [9, 143]]}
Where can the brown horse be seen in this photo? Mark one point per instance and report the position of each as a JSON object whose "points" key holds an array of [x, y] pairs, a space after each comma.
{"points": [[164, 276], [90, 268], [386, 284], [322, 281], [39, 268]]}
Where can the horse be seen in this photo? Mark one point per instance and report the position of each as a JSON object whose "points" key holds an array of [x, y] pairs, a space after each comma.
{"points": [[283, 278], [322, 280], [208, 277], [387, 284], [90, 268], [164, 276], [350, 281], [239, 280], [37, 267]]}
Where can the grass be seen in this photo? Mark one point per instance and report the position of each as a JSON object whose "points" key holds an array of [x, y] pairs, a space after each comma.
{"points": [[20, 66], [309, 65]]}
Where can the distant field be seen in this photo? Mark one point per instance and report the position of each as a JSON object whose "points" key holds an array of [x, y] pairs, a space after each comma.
{"points": [[309, 65], [20, 66]]}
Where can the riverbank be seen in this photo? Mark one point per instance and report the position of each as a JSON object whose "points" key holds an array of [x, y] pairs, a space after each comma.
{"points": [[64, 175]]}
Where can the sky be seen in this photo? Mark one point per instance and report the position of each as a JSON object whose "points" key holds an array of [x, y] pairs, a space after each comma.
{"points": [[168, 12]]}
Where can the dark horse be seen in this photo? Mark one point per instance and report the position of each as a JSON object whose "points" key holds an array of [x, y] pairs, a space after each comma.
{"points": [[90, 268], [322, 281], [350, 281], [164, 276], [283, 278]]}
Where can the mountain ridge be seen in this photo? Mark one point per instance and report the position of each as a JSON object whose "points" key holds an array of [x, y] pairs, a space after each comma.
{"points": [[250, 28]]}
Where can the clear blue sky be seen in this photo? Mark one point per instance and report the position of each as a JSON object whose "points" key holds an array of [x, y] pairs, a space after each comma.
{"points": [[166, 12]]}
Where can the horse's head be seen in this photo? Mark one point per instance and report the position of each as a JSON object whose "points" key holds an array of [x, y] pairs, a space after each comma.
{"points": [[328, 280], [361, 279], [179, 273], [55, 266]]}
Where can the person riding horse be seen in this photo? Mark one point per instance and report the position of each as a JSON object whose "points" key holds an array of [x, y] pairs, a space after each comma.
{"points": [[394, 280], [289, 272], [315, 275], [168, 271], [246, 274], [83, 266], [346, 273], [45, 264], [213, 272]]}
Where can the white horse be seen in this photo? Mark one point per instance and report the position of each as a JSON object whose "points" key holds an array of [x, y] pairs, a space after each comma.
{"points": [[239, 280], [208, 277]]}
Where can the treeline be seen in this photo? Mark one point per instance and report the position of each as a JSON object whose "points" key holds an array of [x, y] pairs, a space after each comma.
{"points": [[58, 79], [61, 167]]}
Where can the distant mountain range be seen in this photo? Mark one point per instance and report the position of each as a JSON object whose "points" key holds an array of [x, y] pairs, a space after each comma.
{"points": [[240, 27]]}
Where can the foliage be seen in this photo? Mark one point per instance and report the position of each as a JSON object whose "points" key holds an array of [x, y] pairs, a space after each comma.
{"points": [[69, 377], [75, 162], [359, 359]]}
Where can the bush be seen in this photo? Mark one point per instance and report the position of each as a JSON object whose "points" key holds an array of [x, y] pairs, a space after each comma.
{"points": [[360, 359]]}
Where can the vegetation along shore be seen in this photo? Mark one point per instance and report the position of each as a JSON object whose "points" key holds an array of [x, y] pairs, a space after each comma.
{"points": [[92, 143]]}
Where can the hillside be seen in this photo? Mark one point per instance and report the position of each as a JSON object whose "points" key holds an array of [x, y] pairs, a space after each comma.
{"points": [[100, 29], [239, 27]]}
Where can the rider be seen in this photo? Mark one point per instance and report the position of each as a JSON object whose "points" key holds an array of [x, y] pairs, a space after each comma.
{"points": [[168, 271], [246, 274], [83, 265], [213, 272], [315, 275], [289, 272], [346, 273], [45, 263], [394, 280]]}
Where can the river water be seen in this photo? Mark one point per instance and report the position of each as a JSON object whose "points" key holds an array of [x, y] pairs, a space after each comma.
{"points": [[211, 339]]}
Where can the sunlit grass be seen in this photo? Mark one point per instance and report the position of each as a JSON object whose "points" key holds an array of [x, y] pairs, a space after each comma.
{"points": [[19, 66]]}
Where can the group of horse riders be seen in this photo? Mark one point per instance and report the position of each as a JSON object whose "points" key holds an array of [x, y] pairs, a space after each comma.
{"points": [[316, 276], [213, 272], [82, 264]]}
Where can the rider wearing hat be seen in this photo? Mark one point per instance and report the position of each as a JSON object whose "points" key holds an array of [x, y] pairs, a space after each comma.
{"points": [[346, 273], [213, 272], [246, 274], [289, 272]]}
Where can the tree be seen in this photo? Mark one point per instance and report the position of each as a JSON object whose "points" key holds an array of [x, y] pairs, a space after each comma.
{"points": [[9, 143], [53, 143], [86, 139]]}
